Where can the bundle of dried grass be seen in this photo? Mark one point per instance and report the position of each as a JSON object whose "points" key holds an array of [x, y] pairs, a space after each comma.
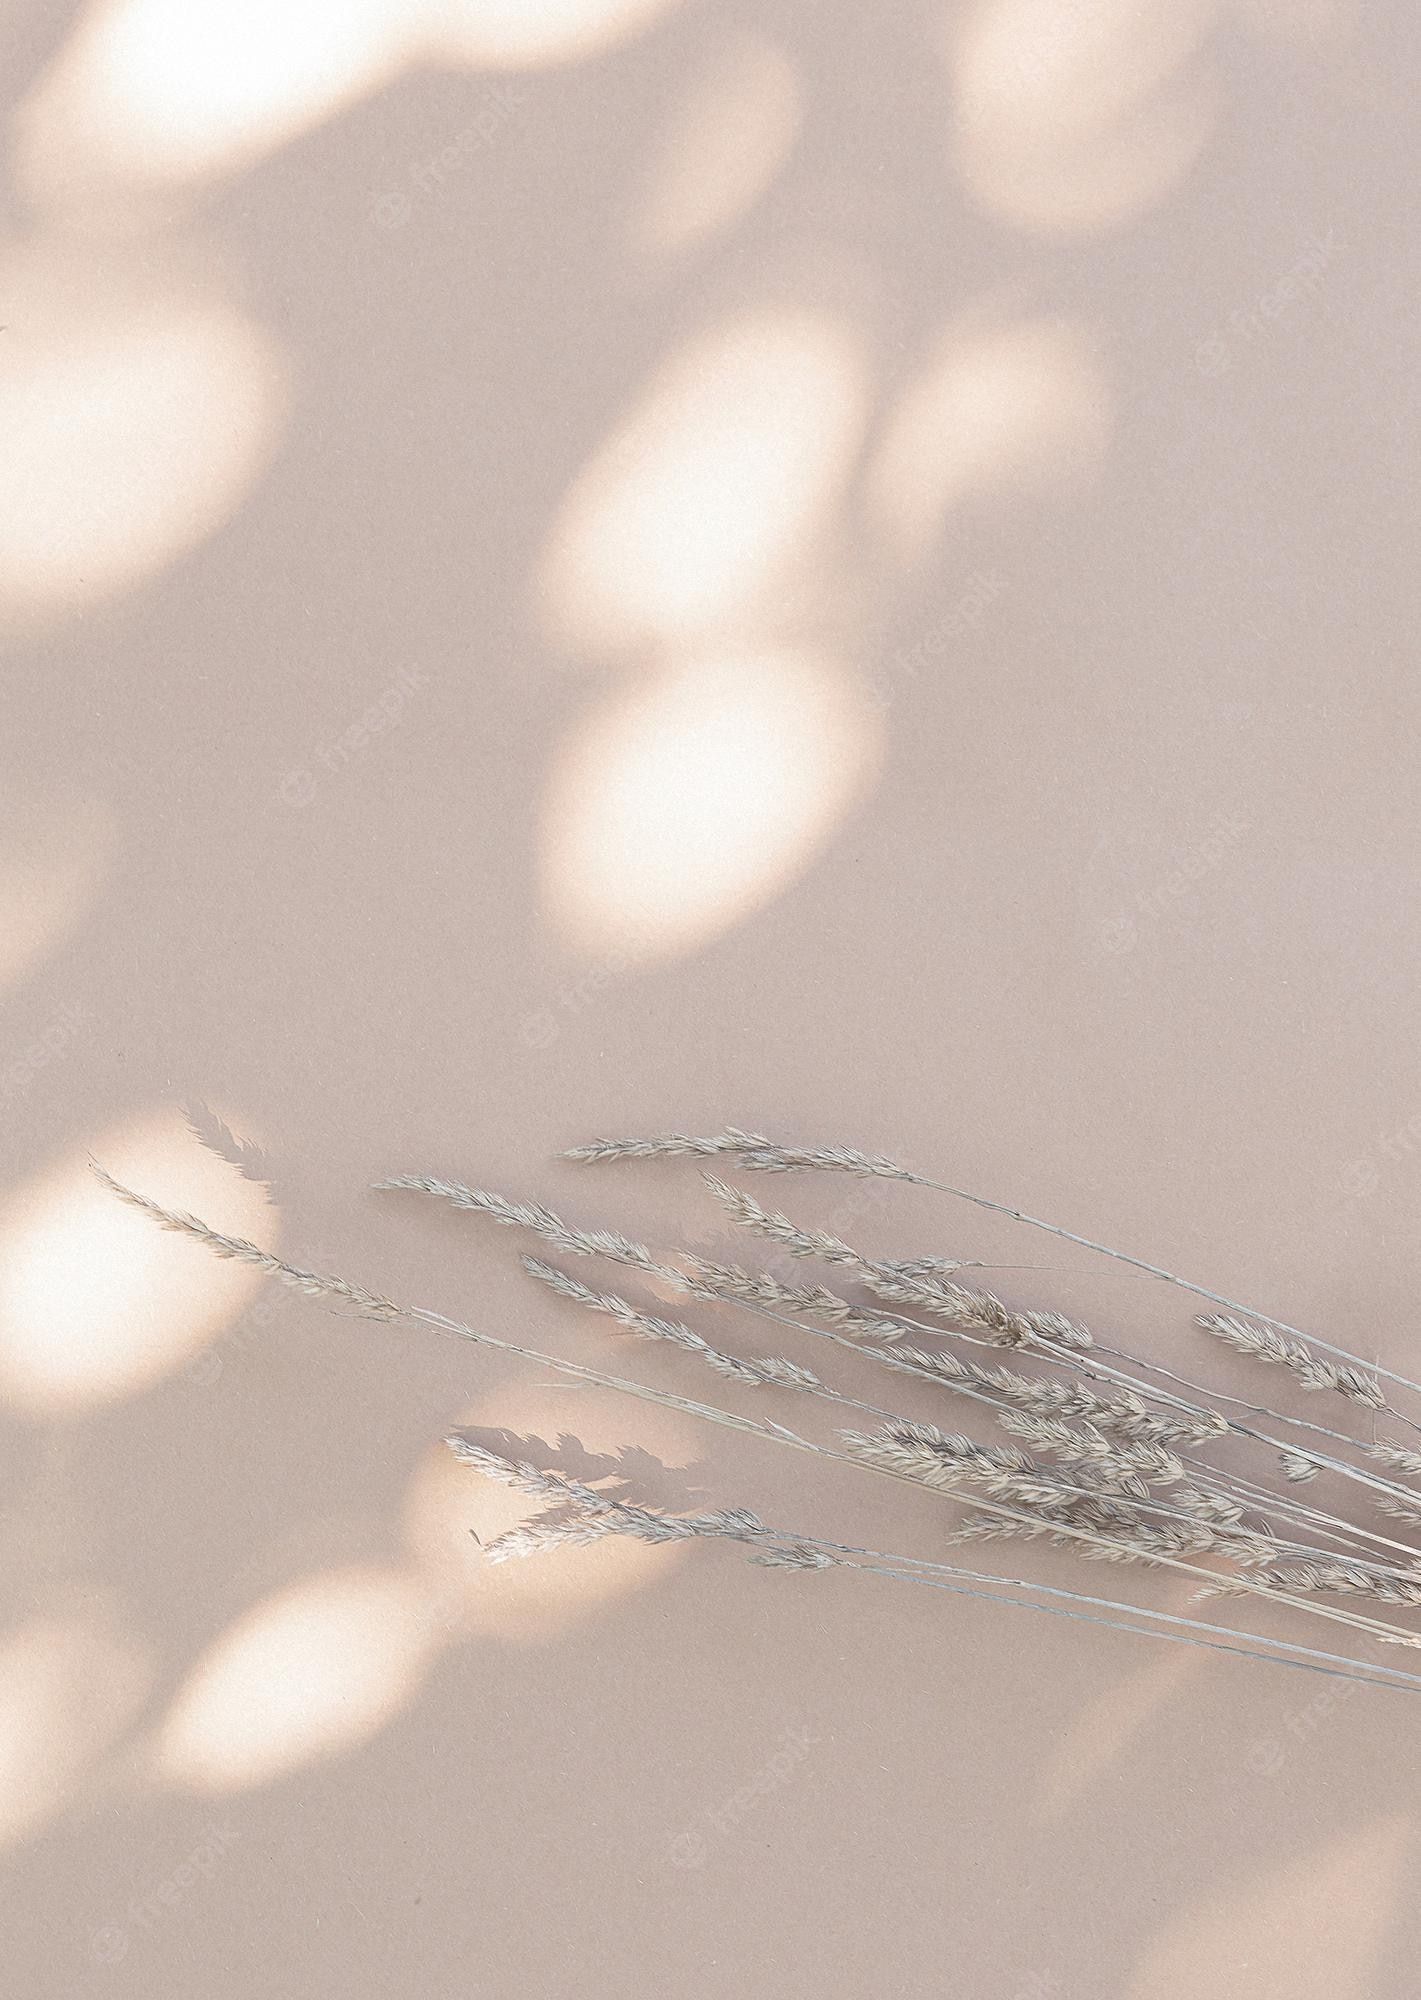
{"points": [[1111, 1457]]}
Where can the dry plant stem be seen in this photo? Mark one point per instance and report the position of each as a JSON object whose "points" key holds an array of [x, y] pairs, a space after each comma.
{"points": [[544, 1223], [621, 1249], [603, 1243], [801, 1551], [236, 1248], [731, 1286], [776, 1434], [1101, 1603], [1037, 1332], [1119, 1625], [1325, 1461], [1279, 1503], [1098, 1371], [763, 1154], [314, 1284], [1235, 1402], [1264, 1500], [1060, 1487], [749, 1214], [960, 1581], [900, 1283]]}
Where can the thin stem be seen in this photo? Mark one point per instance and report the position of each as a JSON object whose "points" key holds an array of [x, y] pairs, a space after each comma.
{"points": [[1209, 1475], [1168, 1277], [1410, 1685], [775, 1433], [244, 1251]]}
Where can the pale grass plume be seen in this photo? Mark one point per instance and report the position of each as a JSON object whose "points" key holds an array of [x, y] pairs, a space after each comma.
{"points": [[755, 1151], [1338, 1579], [730, 1282], [1101, 1436], [650, 1326], [532, 1216], [750, 1149], [1314, 1371], [897, 1283], [239, 1250], [1075, 1445], [580, 1515]]}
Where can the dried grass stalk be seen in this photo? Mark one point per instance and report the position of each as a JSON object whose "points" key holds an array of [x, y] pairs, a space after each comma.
{"points": [[1125, 1483], [1312, 1370]]}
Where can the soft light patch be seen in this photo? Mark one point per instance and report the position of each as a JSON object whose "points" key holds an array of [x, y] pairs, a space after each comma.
{"points": [[69, 1685], [723, 142], [1105, 1730], [1310, 1930], [1002, 410], [678, 808], [163, 92], [1074, 118], [528, 34], [52, 860], [137, 410], [311, 1672], [721, 472], [97, 1302]]}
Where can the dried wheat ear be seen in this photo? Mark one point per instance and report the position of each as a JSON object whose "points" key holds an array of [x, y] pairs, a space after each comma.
{"points": [[1113, 1456]]}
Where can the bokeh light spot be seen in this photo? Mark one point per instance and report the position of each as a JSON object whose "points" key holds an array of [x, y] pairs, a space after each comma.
{"points": [[692, 800], [724, 140], [312, 1671], [1007, 410], [97, 1302], [136, 410], [719, 475]]}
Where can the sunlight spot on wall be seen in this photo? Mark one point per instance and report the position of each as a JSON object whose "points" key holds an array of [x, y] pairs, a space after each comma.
{"points": [[530, 33], [1076, 116], [136, 413], [1009, 410], [52, 860], [168, 91], [1306, 1930], [723, 141], [97, 1302], [1105, 1729], [726, 465], [313, 1671], [681, 806], [69, 1686], [536, 1598]]}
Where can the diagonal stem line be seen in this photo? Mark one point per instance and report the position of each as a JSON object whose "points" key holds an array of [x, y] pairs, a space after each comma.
{"points": [[1158, 1271]]}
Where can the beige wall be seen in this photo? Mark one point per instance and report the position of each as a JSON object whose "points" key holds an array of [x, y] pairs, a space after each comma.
{"points": [[572, 566]]}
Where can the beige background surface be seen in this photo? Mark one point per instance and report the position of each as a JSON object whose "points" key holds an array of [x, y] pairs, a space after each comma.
{"points": [[571, 566]]}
